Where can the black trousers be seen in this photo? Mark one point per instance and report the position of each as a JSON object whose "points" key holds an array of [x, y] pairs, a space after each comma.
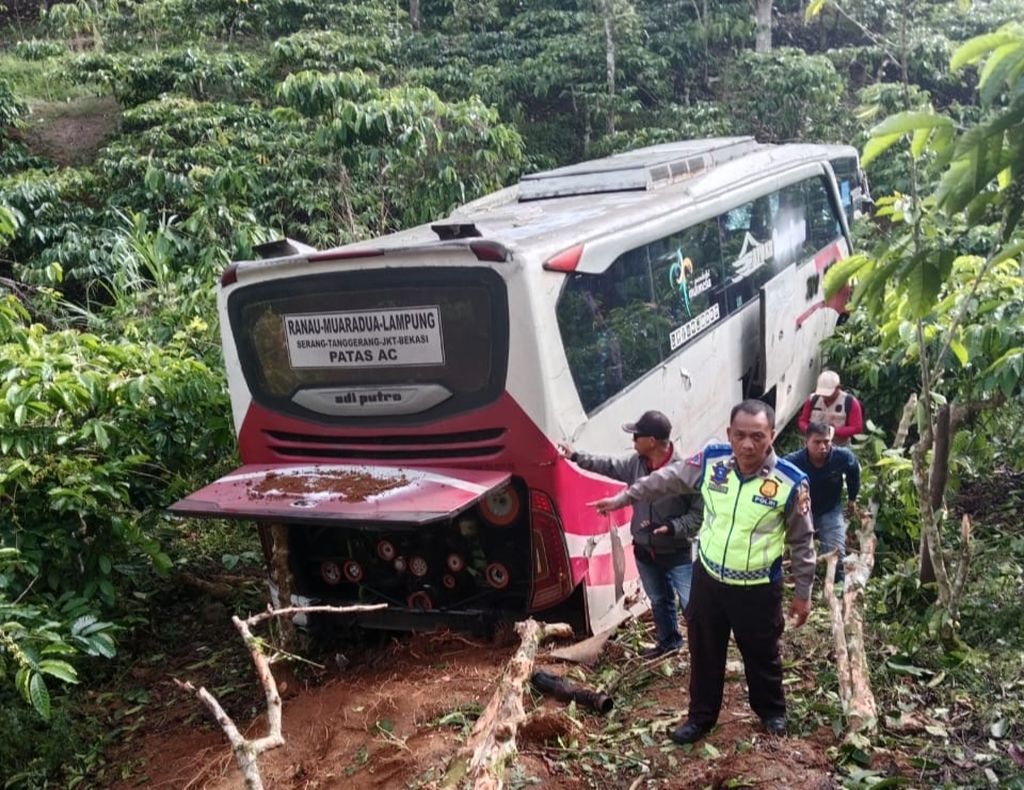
{"points": [[754, 615]]}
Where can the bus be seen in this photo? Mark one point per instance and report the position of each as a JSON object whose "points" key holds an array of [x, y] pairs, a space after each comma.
{"points": [[399, 402]]}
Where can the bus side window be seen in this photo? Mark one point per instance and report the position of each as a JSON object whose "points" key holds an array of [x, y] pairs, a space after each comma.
{"points": [[688, 282], [789, 227], [612, 328], [823, 225], [746, 233]]}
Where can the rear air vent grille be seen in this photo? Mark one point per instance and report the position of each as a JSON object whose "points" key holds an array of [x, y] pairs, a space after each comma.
{"points": [[482, 443]]}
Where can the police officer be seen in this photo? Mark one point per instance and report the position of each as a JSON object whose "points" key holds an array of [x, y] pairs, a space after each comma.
{"points": [[755, 505]]}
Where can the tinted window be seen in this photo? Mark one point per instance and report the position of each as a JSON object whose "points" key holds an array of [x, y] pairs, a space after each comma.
{"points": [[848, 181], [655, 299], [374, 329], [823, 224], [651, 301]]}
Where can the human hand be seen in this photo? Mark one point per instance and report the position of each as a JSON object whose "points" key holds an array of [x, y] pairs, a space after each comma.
{"points": [[565, 450], [605, 506], [664, 529], [852, 509], [799, 608]]}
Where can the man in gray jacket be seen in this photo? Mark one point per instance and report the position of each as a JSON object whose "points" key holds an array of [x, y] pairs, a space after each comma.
{"points": [[662, 530]]}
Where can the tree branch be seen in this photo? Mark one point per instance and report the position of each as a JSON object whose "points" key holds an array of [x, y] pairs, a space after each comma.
{"points": [[248, 751]]}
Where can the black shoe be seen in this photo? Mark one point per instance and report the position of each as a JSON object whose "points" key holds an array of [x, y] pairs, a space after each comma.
{"points": [[657, 652], [776, 725], [689, 732]]}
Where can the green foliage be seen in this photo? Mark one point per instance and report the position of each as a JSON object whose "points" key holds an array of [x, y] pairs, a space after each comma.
{"points": [[192, 72], [62, 232], [92, 433], [11, 108], [784, 95], [992, 151], [39, 49], [334, 51], [373, 160]]}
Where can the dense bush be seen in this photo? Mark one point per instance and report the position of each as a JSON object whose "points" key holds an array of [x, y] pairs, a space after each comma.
{"points": [[784, 95]]}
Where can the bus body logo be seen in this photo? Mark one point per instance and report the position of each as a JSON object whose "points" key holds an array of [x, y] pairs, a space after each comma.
{"points": [[678, 276]]}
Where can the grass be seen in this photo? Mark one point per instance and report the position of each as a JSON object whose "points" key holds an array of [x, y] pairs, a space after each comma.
{"points": [[43, 80]]}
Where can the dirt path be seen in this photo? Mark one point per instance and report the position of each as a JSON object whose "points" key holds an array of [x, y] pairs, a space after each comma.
{"points": [[70, 133], [391, 716]]}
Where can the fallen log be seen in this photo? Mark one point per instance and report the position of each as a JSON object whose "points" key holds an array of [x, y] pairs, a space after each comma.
{"points": [[852, 670], [862, 714], [835, 610], [491, 746]]}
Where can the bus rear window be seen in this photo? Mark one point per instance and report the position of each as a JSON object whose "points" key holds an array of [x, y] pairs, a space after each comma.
{"points": [[387, 343]]}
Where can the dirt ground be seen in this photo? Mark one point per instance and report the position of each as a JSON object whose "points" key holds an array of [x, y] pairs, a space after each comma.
{"points": [[392, 714], [70, 133]]}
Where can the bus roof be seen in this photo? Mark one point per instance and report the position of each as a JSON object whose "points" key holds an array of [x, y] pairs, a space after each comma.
{"points": [[549, 211]]}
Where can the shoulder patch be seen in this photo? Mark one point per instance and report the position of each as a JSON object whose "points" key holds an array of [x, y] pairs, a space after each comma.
{"points": [[697, 459], [803, 499]]}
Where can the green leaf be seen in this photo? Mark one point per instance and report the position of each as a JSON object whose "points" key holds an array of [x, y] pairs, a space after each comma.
{"points": [[1011, 251], [39, 696], [61, 670], [919, 141], [876, 146], [905, 122], [923, 282], [977, 47], [960, 351]]}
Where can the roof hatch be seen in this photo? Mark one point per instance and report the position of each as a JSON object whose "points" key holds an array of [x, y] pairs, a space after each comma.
{"points": [[640, 170]]}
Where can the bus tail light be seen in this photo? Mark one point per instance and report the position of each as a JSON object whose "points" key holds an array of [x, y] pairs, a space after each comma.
{"points": [[497, 576], [330, 572], [353, 571], [344, 255], [490, 251], [566, 260], [501, 508], [386, 550], [418, 567], [552, 576]]}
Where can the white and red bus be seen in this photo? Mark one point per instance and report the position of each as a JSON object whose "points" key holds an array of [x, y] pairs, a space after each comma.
{"points": [[398, 401]]}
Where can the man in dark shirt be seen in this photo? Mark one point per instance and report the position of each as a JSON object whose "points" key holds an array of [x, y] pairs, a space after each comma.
{"points": [[662, 529], [826, 467]]}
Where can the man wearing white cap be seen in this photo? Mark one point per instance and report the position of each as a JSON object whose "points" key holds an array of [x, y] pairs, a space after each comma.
{"points": [[833, 406]]}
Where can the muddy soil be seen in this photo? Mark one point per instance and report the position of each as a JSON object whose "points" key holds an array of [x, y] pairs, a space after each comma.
{"points": [[392, 714]]}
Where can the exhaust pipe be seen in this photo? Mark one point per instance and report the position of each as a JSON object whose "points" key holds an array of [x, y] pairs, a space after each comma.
{"points": [[561, 689]]}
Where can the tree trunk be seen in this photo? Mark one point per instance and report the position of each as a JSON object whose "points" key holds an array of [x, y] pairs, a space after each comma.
{"points": [[607, 10], [281, 574], [491, 746], [763, 19], [414, 15]]}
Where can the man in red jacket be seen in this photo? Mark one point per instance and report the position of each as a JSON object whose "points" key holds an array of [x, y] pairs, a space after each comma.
{"points": [[833, 406]]}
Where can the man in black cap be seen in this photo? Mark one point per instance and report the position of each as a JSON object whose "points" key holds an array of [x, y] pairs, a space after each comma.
{"points": [[662, 530]]}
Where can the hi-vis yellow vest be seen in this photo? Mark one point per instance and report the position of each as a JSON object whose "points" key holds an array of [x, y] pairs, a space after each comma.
{"points": [[744, 530]]}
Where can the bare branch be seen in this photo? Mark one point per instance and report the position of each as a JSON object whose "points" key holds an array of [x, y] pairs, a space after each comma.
{"points": [[247, 751]]}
